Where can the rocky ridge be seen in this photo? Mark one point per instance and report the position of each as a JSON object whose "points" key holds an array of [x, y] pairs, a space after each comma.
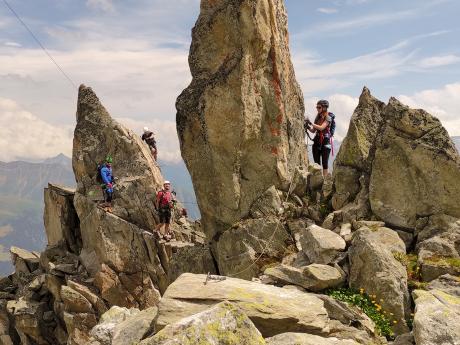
{"points": [[336, 260], [95, 260]]}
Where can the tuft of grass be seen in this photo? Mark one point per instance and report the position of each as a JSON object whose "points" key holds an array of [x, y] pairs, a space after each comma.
{"points": [[367, 305], [324, 209], [414, 273], [444, 261]]}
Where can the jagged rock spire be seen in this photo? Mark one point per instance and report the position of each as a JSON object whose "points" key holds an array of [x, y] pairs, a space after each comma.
{"points": [[240, 122], [98, 135]]}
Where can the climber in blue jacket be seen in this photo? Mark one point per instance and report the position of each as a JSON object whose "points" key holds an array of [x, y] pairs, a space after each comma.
{"points": [[107, 180]]}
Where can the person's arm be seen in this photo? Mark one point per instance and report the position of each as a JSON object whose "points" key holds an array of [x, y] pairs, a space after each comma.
{"points": [[322, 126], [105, 176], [158, 198]]}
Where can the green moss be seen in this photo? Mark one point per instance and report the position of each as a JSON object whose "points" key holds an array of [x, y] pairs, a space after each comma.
{"points": [[443, 261], [212, 332], [369, 307], [325, 209]]}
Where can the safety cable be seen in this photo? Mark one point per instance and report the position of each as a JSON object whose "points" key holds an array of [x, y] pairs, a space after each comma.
{"points": [[40, 44], [269, 240]]}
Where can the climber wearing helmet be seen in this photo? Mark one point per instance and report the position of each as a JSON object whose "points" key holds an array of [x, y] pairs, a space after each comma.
{"points": [[107, 178], [148, 137], [322, 142], [164, 204]]}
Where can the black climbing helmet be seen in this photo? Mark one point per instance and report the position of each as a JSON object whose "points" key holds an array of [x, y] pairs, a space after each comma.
{"points": [[323, 103]]}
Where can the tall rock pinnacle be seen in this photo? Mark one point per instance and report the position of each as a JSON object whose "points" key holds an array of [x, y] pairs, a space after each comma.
{"points": [[98, 135], [240, 122]]}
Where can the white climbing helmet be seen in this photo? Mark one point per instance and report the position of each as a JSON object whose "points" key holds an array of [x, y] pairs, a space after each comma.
{"points": [[166, 182], [146, 129]]}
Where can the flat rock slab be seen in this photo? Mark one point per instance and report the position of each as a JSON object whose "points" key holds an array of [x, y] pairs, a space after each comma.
{"points": [[306, 339], [135, 328], [437, 316], [321, 245], [224, 323], [273, 310], [315, 277]]}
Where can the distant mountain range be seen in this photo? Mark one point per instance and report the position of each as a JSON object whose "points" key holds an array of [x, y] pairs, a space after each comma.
{"points": [[21, 198]]}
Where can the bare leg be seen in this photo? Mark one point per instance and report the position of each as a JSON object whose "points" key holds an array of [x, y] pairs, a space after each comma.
{"points": [[159, 228], [325, 172]]}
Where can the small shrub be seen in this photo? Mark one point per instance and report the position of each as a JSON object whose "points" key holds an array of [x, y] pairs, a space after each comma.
{"points": [[414, 277], [367, 305]]}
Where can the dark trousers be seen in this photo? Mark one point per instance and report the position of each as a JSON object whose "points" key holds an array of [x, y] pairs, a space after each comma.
{"points": [[321, 154]]}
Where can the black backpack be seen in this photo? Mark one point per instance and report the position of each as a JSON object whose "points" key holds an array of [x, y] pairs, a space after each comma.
{"points": [[332, 125], [99, 176]]}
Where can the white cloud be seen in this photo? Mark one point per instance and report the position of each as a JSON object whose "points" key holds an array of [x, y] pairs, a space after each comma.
{"points": [[23, 134], [327, 10], [368, 19], [438, 61], [104, 5], [12, 44], [315, 75], [443, 103]]}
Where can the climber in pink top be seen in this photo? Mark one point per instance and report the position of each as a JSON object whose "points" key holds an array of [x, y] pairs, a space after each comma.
{"points": [[164, 204]]}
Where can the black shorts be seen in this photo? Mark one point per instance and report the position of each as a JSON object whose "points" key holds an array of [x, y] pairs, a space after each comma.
{"points": [[321, 154], [165, 215]]}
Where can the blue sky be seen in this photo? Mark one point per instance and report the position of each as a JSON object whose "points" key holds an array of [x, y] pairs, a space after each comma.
{"points": [[134, 54]]}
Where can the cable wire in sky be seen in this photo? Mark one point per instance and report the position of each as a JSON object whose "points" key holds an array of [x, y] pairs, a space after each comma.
{"points": [[40, 44]]}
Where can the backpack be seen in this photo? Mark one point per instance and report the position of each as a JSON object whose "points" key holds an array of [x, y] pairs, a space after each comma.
{"points": [[98, 175], [332, 125]]}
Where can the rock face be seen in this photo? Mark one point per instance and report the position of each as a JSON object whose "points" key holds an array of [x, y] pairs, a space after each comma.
{"points": [[320, 245], [436, 318], [306, 339], [437, 246], [241, 245], [240, 122], [273, 310], [97, 259], [60, 217], [375, 269], [313, 277], [96, 136], [223, 324], [409, 145]]}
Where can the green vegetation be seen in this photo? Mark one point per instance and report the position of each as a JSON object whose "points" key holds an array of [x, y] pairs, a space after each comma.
{"points": [[414, 277], [443, 261], [325, 209], [370, 307]]}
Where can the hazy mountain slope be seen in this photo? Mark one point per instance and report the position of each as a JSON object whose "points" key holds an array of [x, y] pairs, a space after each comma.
{"points": [[21, 202]]}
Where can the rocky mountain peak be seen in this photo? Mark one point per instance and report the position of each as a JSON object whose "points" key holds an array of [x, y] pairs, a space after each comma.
{"points": [[240, 122], [97, 136]]}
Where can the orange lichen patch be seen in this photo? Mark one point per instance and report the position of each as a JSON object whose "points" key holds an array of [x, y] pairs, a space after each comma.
{"points": [[277, 87], [274, 151], [276, 132], [279, 119]]}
